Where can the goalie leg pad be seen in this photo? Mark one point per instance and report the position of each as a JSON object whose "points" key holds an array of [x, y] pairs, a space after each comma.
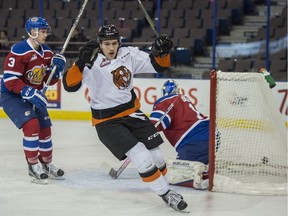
{"points": [[181, 171]]}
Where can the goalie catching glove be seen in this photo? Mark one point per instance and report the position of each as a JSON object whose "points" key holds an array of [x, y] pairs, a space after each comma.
{"points": [[87, 54], [162, 46]]}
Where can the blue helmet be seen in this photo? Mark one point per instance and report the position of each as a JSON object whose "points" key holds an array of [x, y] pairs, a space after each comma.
{"points": [[170, 87], [36, 23]]}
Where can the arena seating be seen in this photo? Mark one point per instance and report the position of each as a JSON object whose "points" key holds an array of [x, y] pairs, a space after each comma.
{"points": [[188, 22]]}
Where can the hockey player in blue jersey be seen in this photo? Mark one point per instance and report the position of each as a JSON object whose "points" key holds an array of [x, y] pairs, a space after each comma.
{"points": [[26, 69]]}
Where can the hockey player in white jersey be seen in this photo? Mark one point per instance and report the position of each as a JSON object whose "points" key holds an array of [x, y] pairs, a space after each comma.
{"points": [[107, 69]]}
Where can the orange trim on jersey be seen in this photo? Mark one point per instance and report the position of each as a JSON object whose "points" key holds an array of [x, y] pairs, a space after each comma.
{"points": [[164, 172], [74, 76], [164, 61], [152, 177], [124, 113]]}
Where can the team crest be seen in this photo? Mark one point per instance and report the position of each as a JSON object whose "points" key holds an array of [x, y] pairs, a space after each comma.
{"points": [[121, 77], [105, 62], [33, 58], [36, 74]]}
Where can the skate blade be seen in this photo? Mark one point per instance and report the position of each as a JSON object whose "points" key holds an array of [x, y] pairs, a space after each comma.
{"points": [[39, 181], [56, 178], [185, 210]]}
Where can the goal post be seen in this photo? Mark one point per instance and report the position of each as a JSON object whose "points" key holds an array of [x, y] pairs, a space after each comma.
{"points": [[248, 136]]}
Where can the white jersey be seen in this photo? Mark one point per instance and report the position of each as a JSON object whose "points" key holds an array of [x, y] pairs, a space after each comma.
{"points": [[110, 81]]}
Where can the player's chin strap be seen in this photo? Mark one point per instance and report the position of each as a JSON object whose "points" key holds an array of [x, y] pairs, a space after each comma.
{"points": [[35, 37]]}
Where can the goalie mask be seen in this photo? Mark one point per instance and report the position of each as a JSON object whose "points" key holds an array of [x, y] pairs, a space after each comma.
{"points": [[108, 32], [170, 87]]}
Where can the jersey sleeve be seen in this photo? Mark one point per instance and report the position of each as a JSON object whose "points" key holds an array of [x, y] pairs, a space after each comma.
{"points": [[13, 71], [72, 79], [160, 64], [158, 114], [147, 63]]}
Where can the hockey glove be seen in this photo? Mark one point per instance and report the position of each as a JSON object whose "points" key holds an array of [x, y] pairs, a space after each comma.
{"points": [[87, 54], [161, 46], [59, 61], [34, 96]]}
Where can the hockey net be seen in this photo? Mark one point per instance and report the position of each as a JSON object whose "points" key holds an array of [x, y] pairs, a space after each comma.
{"points": [[248, 144]]}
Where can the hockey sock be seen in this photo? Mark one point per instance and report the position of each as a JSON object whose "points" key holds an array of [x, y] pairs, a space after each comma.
{"points": [[45, 145], [142, 159], [159, 159], [31, 140]]}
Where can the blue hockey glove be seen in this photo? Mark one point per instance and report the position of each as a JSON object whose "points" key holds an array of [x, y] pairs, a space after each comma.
{"points": [[34, 96], [162, 46], [59, 61]]}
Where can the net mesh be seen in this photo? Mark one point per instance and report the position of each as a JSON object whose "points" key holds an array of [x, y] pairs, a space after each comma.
{"points": [[251, 144]]}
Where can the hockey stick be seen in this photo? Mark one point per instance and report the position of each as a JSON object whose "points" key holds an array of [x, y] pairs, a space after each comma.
{"points": [[66, 43], [148, 18], [116, 173]]}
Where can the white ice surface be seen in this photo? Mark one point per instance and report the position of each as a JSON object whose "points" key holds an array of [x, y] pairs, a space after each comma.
{"points": [[89, 191]]}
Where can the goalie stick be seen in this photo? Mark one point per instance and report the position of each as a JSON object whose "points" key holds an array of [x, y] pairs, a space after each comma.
{"points": [[116, 173], [66, 43]]}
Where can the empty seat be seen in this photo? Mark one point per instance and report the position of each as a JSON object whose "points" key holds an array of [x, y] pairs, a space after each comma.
{"points": [[278, 70], [278, 66], [118, 5], [201, 4], [23, 4], [184, 4], [258, 64], [185, 42], [171, 4], [90, 33], [182, 56], [226, 65], [243, 65], [148, 34], [16, 13], [177, 13], [192, 14], [196, 23], [181, 33], [175, 23]]}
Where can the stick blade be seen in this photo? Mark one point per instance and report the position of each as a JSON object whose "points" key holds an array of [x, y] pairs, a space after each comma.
{"points": [[109, 170]]}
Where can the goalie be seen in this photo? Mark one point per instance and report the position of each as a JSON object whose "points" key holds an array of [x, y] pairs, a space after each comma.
{"points": [[187, 130]]}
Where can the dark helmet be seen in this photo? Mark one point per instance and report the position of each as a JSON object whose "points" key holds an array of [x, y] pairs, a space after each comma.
{"points": [[36, 23], [108, 32]]}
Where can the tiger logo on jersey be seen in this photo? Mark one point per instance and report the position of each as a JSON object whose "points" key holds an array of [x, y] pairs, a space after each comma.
{"points": [[36, 74], [121, 77]]}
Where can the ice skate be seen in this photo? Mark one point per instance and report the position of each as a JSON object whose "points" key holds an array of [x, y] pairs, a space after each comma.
{"points": [[37, 173], [175, 201], [52, 171]]}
